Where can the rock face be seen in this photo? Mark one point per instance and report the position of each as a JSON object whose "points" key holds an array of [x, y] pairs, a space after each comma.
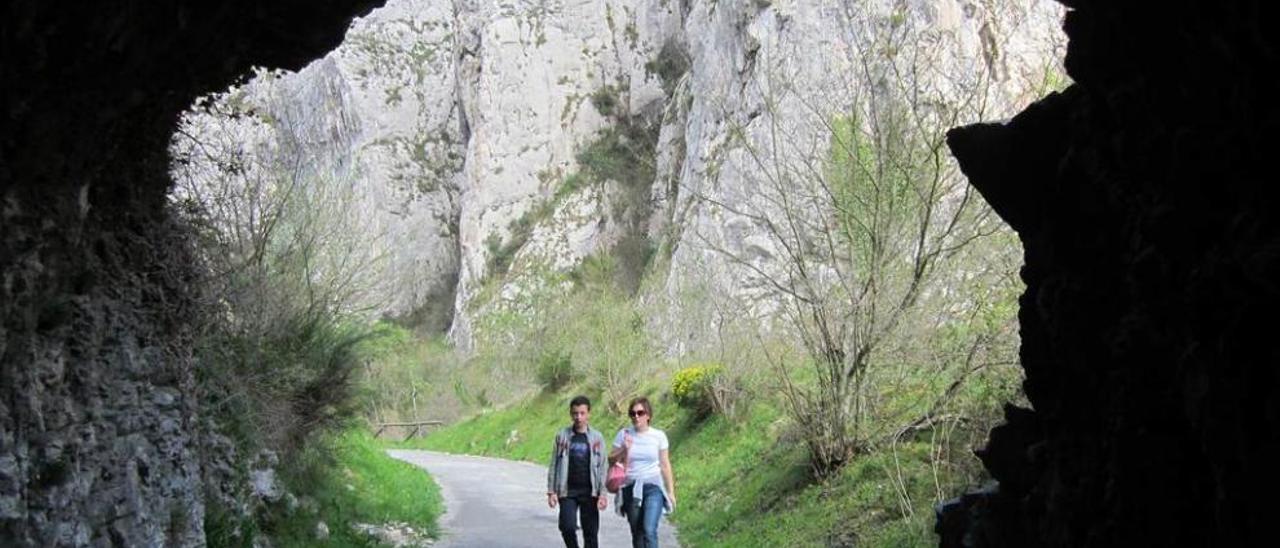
{"points": [[1151, 237], [714, 79], [766, 82], [471, 117], [528, 72], [96, 387], [376, 122]]}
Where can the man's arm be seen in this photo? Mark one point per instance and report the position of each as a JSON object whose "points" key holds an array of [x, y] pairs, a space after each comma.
{"points": [[552, 469], [602, 498]]}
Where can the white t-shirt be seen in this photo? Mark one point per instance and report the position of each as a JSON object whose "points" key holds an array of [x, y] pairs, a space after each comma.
{"points": [[643, 464]]}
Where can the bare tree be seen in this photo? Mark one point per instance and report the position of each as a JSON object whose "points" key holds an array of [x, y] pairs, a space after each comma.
{"points": [[274, 210], [869, 227], [289, 258]]}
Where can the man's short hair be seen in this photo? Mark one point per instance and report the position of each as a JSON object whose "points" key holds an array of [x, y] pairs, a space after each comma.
{"points": [[580, 400]]}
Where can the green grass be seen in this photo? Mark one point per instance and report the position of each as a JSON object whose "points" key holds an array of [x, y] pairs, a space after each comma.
{"points": [[739, 483], [534, 423], [352, 480]]}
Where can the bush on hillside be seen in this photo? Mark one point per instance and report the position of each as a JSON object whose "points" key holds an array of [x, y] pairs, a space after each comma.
{"points": [[554, 370], [691, 386], [704, 389]]}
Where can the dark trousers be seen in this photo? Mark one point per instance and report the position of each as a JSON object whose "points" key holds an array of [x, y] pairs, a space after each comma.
{"points": [[585, 509]]}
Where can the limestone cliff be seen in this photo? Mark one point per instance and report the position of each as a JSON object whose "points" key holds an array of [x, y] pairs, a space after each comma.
{"points": [[377, 121], [466, 122]]}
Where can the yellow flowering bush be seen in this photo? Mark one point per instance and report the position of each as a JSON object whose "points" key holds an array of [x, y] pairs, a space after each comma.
{"points": [[693, 386]]}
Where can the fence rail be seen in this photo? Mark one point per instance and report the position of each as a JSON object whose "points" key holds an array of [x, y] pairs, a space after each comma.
{"points": [[416, 425]]}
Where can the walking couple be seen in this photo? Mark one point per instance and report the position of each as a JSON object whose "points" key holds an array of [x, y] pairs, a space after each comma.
{"points": [[576, 477]]}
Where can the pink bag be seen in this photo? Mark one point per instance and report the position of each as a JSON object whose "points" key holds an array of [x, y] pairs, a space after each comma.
{"points": [[617, 474], [617, 477]]}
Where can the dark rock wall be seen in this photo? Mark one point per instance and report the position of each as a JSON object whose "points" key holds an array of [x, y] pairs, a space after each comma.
{"points": [[96, 308], [1146, 199]]}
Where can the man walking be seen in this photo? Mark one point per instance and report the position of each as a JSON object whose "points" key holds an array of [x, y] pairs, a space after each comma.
{"points": [[575, 477]]}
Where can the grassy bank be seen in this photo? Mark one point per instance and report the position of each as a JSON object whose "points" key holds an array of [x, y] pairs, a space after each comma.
{"points": [[743, 482], [350, 480]]}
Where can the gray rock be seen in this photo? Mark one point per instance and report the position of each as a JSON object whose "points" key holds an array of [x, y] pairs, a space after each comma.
{"points": [[263, 483], [395, 534], [308, 505]]}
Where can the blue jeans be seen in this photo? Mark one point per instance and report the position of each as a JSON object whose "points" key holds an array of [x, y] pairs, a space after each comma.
{"points": [[643, 519]]}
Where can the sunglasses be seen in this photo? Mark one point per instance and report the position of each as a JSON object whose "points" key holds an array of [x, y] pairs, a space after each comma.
{"points": [[637, 413]]}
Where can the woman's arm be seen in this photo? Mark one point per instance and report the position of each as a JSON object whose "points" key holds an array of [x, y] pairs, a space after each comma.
{"points": [[664, 461], [619, 453]]}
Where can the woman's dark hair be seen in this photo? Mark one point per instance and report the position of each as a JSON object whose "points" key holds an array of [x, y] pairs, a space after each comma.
{"points": [[580, 400], [642, 402]]}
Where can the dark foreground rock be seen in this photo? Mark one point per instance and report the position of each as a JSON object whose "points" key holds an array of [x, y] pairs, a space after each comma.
{"points": [[97, 411], [1145, 197]]}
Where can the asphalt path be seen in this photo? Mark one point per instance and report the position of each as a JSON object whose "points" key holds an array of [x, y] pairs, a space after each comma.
{"points": [[498, 503]]}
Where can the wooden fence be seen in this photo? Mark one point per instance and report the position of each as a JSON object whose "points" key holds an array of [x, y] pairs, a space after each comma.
{"points": [[417, 427]]}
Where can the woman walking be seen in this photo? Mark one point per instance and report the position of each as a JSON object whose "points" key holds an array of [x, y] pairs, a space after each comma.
{"points": [[650, 486]]}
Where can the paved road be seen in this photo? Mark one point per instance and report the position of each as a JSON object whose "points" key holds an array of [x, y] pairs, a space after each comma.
{"points": [[497, 503]]}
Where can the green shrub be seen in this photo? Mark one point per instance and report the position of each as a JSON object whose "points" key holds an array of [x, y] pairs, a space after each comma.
{"points": [[670, 65], [595, 272], [604, 332], [499, 255], [227, 527], [407, 376], [302, 373], [569, 185], [502, 254], [694, 387], [622, 153], [605, 100], [554, 370]]}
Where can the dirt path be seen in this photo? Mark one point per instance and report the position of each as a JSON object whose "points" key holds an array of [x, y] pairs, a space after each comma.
{"points": [[501, 503]]}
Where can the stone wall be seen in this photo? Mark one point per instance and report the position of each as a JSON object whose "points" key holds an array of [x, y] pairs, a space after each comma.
{"points": [[96, 384], [1144, 199]]}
